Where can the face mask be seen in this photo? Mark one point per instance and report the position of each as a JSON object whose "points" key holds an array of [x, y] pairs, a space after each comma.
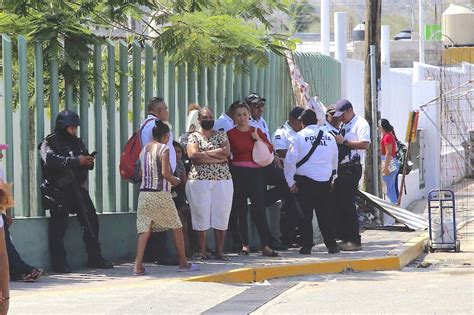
{"points": [[207, 124]]}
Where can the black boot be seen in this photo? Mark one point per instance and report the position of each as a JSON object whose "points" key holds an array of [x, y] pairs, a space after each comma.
{"points": [[61, 268], [99, 262]]}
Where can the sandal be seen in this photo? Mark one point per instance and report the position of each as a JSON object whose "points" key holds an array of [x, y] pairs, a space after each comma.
{"points": [[27, 277], [37, 273], [139, 273], [192, 267], [32, 276], [199, 257], [221, 257], [271, 254]]}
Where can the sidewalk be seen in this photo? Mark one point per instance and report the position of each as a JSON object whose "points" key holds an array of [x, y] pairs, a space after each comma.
{"points": [[381, 251]]}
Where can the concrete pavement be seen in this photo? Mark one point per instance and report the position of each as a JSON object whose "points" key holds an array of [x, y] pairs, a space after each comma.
{"points": [[165, 290]]}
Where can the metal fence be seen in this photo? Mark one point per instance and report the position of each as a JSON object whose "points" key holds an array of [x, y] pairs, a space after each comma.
{"points": [[456, 129], [110, 95]]}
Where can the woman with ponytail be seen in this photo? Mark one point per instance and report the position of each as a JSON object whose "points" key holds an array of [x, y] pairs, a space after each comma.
{"points": [[390, 165]]}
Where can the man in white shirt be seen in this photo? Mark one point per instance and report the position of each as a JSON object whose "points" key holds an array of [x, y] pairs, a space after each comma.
{"points": [[282, 136], [355, 135], [309, 173], [257, 105], [157, 244], [226, 121], [289, 216], [332, 124], [157, 110]]}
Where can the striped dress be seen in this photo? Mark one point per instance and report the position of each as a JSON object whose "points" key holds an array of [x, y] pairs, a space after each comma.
{"points": [[155, 203]]}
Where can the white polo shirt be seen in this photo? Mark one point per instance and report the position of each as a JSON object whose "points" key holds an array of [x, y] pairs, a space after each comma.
{"points": [[330, 128], [356, 130], [147, 137], [224, 123], [262, 124], [322, 162], [282, 136]]}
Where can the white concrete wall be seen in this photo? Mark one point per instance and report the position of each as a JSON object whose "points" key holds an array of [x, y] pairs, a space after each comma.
{"points": [[399, 96], [396, 98], [355, 84], [424, 91]]}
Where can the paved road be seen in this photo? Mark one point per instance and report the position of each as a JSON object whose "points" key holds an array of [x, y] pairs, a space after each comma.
{"points": [[436, 283], [446, 285], [437, 289]]}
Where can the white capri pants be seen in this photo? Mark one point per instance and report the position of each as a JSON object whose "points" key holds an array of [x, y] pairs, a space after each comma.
{"points": [[210, 202]]}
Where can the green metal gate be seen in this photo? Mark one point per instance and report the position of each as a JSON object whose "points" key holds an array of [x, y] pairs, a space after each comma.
{"points": [[122, 77]]}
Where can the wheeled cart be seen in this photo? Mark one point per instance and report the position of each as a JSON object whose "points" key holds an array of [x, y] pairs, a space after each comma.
{"points": [[442, 221]]}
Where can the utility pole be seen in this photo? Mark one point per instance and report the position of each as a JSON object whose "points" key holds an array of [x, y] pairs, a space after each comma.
{"points": [[372, 37]]}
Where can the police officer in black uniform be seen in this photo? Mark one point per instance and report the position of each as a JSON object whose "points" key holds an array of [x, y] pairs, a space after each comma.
{"points": [[65, 165]]}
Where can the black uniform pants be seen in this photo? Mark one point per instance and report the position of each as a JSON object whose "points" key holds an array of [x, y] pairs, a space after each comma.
{"points": [[68, 203], [289, 217], [249, 183], [17, 266], [314, 196], [345, 214]]}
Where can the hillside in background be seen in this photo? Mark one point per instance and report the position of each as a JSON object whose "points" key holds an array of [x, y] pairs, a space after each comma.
{"points": [[399, 14]]}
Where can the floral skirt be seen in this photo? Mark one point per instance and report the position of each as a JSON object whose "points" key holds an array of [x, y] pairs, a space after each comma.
{"points": [[156, 208]]}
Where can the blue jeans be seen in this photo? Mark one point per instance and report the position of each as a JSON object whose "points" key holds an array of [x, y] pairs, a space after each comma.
{"points": [[390, 182]]}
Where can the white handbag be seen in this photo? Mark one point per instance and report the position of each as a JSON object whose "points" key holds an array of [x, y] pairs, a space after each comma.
{"points": [[261, 155]]}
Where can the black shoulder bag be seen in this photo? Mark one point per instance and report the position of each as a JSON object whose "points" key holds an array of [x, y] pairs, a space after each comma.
{"points": [[313, 148]]}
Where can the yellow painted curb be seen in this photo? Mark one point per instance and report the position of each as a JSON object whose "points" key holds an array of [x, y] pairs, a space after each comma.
{"points": [[271, 272], [412, 249], [395, 260], [242, 275]]}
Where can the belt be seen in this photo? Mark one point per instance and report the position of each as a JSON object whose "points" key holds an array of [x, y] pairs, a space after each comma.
{"points": [[349, 164]]}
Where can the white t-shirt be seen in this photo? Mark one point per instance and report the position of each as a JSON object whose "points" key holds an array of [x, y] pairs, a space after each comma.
{"points": [[330, 128], [1, 221], [147, 137], [282, 136], [357, 130], [223, 123], [320, 165], [262, 124]]}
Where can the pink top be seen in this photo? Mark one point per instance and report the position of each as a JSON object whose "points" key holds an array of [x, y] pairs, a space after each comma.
{"points": [[3, 146]]}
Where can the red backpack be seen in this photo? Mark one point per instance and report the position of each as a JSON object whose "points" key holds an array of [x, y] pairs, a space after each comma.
{"points": [[129, 166]]}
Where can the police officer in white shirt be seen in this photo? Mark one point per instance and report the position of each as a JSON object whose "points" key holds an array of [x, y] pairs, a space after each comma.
{"points": [[289, 215], [333, 124], [257, 104], [158, 110], [310, 164], [355, 135], [282, 136], [226, 121]]}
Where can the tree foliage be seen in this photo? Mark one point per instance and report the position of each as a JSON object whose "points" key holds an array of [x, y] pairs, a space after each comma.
{"points": [[302, 16], [199, 32]]}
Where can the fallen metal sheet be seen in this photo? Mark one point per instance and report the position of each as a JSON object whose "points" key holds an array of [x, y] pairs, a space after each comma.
{"points": [[409, 219]]}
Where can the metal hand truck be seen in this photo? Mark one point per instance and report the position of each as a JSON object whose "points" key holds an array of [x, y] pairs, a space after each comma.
{"points": [[442, 221]]}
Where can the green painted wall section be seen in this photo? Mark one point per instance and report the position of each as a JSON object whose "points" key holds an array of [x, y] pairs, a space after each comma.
{"points": [[117, 237], [113, 102], [323, 74]]}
